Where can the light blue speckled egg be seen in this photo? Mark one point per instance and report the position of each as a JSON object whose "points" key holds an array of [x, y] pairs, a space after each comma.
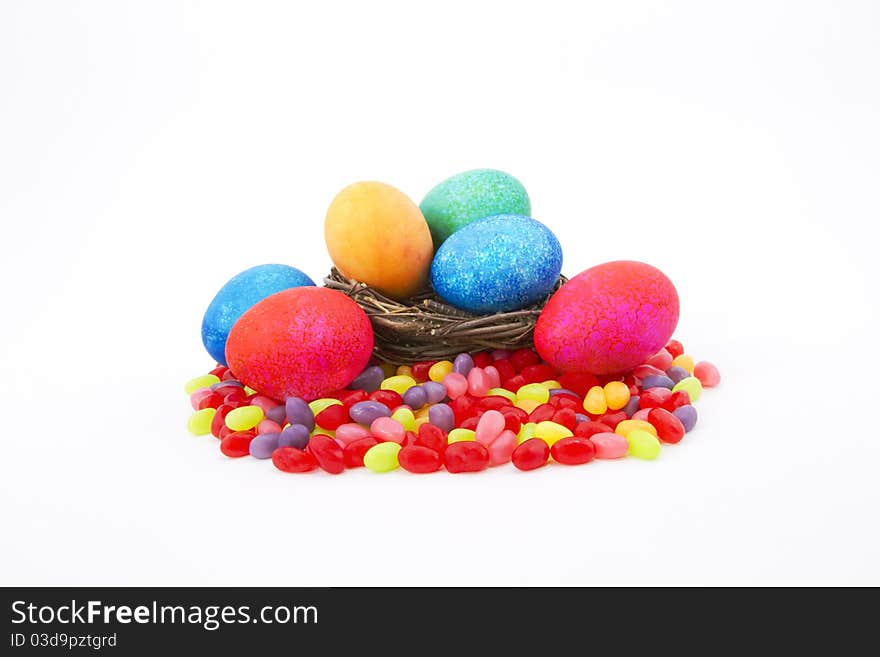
{"points": [[497, 264], [238, 295]]}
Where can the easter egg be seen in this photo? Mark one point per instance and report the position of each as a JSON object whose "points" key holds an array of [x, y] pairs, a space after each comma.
{"points": [[376, 235], [305, 342], [496, 264], [472, 195], [240, 293], [608, 319]]}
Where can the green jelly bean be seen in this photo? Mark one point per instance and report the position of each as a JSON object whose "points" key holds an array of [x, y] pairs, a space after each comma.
{"points": [[200, 421], [691, 385], [244, 418], [382, 457], [526, 432], [643, 445], [502, 392], [461, 435], [204, 381], [319, 405], [536, 391], [406, 418]]}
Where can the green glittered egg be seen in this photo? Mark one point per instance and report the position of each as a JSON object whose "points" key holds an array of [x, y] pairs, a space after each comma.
{"points": [[472, 195]]}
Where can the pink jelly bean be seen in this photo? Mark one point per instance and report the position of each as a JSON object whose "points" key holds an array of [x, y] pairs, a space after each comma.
{"points": [[388, 429], [489, 427], [661, 360], [350, 432], [478, 382], [641, 414], [647, 370], [263, 402], [609, 445], [199, 395], [494, 376], [707, 373], [268, 426], [456, 385], [502, 447]]}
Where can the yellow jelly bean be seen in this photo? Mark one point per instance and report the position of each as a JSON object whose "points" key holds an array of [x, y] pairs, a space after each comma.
{"points": [[684, 361], [528, 405], [461, 435], [248, 390], [643, 445], [691, 385], [382, 457], [623, 428], [502, 392], [616, 395], [388, 369], [535, 391], [406, 417], [551, 384], [244, 418], [404, 370], [550, 432], [398, 383], [439, 370], [204, 381], [594, 402], [526, 431], [320, 404], [423, 411], [200, 421], [420, 421]]}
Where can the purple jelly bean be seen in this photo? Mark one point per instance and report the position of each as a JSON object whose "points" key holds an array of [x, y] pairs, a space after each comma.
{"points": [[368, 380], [463, 364], [298, 412], [415, 397], [441, 415], [688, 416], [366, 411], [500, 354], [436, 392], [657, 381], [296, 435], [277, 414], [222, 384], [563, 391], [632, 406], [580, 417], [264, 444], [676, 373]]}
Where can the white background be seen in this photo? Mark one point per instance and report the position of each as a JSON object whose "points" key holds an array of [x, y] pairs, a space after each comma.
{"points": [[149, 151]]}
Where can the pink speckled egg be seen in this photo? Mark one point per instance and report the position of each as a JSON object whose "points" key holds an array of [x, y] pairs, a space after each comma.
{"points": [[608, 319], [303, 342]]}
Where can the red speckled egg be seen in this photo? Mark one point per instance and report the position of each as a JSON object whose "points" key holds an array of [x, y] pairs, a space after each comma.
{"points": [[608, 319], [303, 342]]}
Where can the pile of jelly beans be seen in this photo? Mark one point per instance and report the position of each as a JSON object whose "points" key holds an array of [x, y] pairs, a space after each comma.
{"points": [[465, 415]]}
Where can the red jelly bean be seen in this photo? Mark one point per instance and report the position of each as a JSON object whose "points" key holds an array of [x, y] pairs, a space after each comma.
{"points": [[707, 373], [463, 407], [579, 383], [677, 399], [291, 459], [388, 397], [470, 422], [409, 438], [675, 348], [542, 413], [219, 420], [482, 359], [332, 416], [236, 395], [587, 429], [213, 400], [467, 456], [228, 376], [432, 437], [219, 371], [531, 454], [612, 419], [420, 370], [522, 358], [669, 428], [224, 431], [237, 444], [514, 421], [351, 397], [573, 450], [505, 369], [327, 453], [493, 402], [419, 460], [515, 382], [353, 453], [566, 417], [538, 373], [654, 397], [565, 400]]}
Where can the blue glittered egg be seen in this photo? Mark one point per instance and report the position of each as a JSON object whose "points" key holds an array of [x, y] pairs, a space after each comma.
{"points": [[497, 264], [238, 295]]}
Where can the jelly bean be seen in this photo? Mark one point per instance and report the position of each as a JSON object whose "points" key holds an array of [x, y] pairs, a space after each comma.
{"points": [[550, 432], [234, 395], [250, 392], [471, 422], [580, 383], [609, 445], [657, 381], [482, 358], [435, 392], [528, 405], [684, 361], [616, 395], [291, 459], [541, 413], [264, 402], [461, 435], [197, 396], [499, 354], [420, 370], [353, 453], [627, 426], [669, 428], [388, 369], [419, 460], [478, 382], [463, 364], [421, 420], [515, 382], [432, 437], [223, 386], [367, 412], [538, 373], [631, 406], [502, 447], [489, 427], [332, 417], [237, 444], [387, 429], [350, 432], [218, 422], [522, 358], [439, 370], [219, 371], [382, 457], [263, 445], [534, 391], [405, 417], [580, 418], [441, 416], [594, 402], [278, 414], [505, 370], [369, 380], [296, 435], [676, 374], [468, 456], [565, 417], [299, 412], [244, 418], [327, 453], [416, 397], [390, 398], [707, 373], [563, 393], [228, 376], [691, 386], [661, 360], [493, 376], [494, 402], [317, 406], [531, 454], [268, 426], [199, 422], [573, 450], [456, 385], [687, 415], [351, 397], [654, 397], [646, 370], [204, 381], [643, 445], [678, 398], [612, 419], [675, 348], [642, 414], [551, 385], [526, 432], [512, 421], [404, 370]]}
